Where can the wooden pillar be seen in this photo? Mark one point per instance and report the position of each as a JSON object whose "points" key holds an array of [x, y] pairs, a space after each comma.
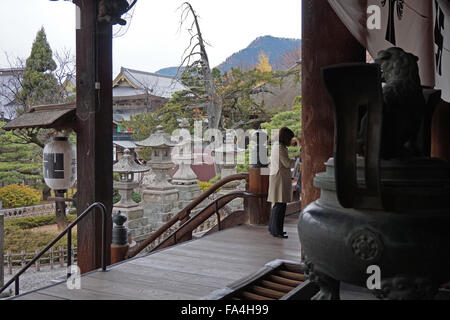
{"points": [[2, 248], [258, 208], [440, 132], [94, 132], [325, 41]]}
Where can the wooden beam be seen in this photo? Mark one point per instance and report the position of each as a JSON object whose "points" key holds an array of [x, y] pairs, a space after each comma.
{"points": [[440, 132], [325, 41], [94, 132]]}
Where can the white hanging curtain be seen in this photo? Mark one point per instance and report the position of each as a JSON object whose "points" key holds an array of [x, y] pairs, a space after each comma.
{"points": [[417, 26]]}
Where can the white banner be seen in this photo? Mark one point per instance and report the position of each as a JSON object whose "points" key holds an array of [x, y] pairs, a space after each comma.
{"points": [[412, 25]]}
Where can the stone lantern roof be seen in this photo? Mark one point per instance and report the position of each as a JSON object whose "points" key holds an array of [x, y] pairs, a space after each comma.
{"points": [[127, 164], [159, 139]]}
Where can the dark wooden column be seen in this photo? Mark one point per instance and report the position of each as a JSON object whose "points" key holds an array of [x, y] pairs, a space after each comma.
{"points": [[325, 41], [440, 132], [258, 208], [94, 132]]}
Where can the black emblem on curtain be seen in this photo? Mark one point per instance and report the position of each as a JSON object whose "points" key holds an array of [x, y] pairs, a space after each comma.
{"points": [[394, 6], [438, 37]]}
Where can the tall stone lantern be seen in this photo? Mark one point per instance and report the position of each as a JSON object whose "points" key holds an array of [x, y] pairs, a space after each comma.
{"points": [[225, 156], [126, 167], [160, 197], [185, 179]]}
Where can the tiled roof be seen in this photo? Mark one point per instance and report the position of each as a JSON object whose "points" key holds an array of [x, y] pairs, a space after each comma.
{"points": [[156, 84]]}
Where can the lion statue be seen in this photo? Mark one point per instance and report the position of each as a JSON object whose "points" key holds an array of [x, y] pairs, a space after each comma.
{"points": [[403, 105], [112, 10]]}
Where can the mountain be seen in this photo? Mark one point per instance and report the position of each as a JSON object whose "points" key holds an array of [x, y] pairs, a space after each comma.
{"points": [[282, 53], [170, 71], [274, 48]]}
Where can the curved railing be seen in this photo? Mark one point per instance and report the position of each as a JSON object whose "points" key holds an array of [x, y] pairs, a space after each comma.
{"points": [[213, 208], [184, 215], [67, 231]]}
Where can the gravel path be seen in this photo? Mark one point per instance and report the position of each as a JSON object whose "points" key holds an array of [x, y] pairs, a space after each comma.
{"points": [[32, 280]]}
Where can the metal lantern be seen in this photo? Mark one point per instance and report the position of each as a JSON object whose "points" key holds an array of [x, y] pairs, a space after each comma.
{"points": [[60, 164]]}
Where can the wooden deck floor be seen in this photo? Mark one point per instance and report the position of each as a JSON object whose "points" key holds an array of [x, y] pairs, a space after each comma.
{"points": [[190, 271]]}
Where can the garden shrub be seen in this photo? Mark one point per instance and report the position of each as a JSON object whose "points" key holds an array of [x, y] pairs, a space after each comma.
{"points": [[135, 196], [14, 196], [36, 221], [215, 179], [17, 239], [204, 185]]}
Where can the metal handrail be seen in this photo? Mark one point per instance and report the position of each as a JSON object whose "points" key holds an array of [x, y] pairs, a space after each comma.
{"points": [[231, 196], [68, 231], [183, 214]]}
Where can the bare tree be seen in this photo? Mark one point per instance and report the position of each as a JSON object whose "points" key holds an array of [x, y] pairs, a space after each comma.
{"points": [[65, 71], [10, 89], [10, 85], [197, 48]]}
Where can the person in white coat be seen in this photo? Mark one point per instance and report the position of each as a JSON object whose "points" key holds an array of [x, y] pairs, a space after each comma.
{"points": [[280, 182]]}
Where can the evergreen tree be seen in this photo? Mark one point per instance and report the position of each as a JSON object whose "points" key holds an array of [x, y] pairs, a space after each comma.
{"points": [[291, 119], [39, 85], [19, 162]]}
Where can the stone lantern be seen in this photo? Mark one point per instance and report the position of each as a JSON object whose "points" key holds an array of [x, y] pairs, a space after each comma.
{"points": [[160, 197], [126, 167], [185, 179], [224, 156], [136, 222]]}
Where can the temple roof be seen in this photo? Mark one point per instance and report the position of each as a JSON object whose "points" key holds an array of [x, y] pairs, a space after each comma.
{"points": [[131, 82]]}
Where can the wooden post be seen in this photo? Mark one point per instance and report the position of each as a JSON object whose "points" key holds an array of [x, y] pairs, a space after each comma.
{"points": [[38, 261], [325, 41], [94, 132], [8, 258], [188, 236], [61, 256], [258, 208], [22, 258], [51, 258], [440, 141], [2, 248]]}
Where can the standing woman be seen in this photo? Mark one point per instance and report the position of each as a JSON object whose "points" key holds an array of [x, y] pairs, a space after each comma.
{"points": [[280, 182]]}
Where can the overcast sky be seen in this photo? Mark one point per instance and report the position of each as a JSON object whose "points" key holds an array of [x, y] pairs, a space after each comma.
{"points": [[153, 40]]}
